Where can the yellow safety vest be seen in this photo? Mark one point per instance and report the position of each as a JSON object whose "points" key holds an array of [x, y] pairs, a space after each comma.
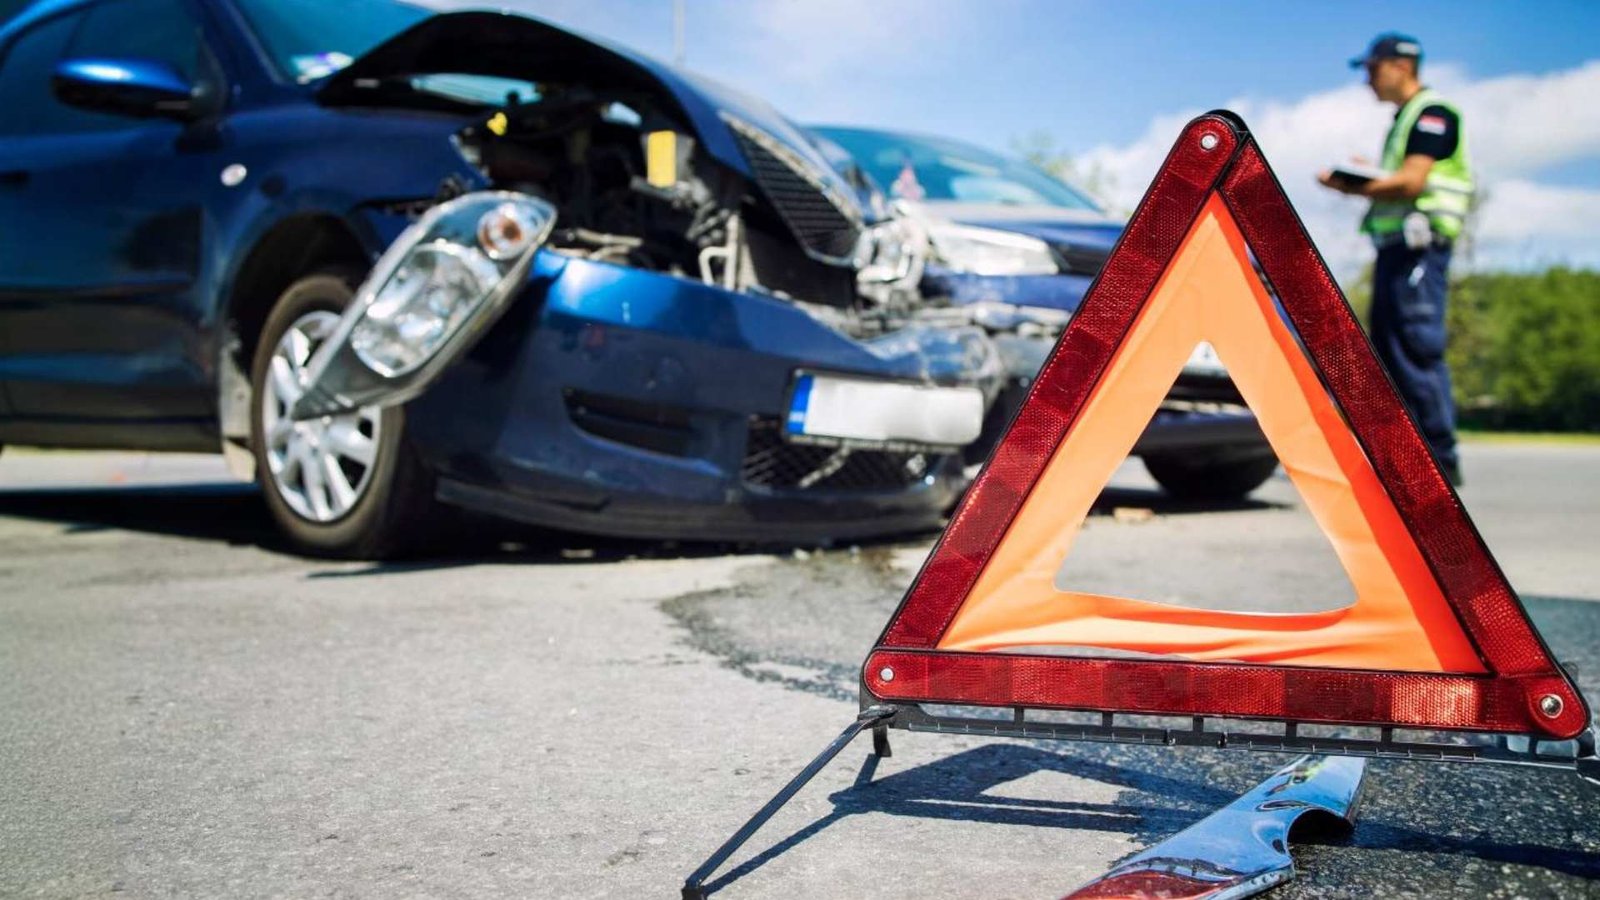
{"points": [[1447, 196]]}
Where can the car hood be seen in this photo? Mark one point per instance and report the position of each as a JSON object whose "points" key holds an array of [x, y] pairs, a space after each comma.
{"points": [[1084, 230], [509, 45]]}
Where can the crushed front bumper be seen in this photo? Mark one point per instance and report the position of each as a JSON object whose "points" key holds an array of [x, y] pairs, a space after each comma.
{"points": [[621, 402]]}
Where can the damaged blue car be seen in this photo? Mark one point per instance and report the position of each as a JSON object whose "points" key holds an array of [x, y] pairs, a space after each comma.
{"points": [[1014, 250], [384, 260]]}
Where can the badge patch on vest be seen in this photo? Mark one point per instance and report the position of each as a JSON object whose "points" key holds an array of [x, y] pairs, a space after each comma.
{"points": [[1433, 124]]}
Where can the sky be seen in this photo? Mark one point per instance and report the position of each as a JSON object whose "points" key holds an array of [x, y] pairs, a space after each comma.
{"points": [[1113, 83]]}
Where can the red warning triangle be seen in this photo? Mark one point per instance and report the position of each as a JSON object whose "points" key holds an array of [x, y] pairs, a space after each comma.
{"points": [[1436, 637]]}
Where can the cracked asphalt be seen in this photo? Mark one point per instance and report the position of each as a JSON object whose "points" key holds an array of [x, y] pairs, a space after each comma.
{"points": [[186, 709]]}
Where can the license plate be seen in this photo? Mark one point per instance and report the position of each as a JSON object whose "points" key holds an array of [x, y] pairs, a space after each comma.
{"points": [[1205, 361], [887, 412]]}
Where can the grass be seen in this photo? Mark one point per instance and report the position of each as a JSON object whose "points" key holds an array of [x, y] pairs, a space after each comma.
{"points": [[1571, 438]]}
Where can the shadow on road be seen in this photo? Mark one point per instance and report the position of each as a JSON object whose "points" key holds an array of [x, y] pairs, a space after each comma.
{"points": [[228, 512], [969, 786], [233, 513], [966, 787]]}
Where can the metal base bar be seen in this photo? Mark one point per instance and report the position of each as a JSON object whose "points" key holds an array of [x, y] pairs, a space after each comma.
{"points": [[1577, 755], [871, 717]]}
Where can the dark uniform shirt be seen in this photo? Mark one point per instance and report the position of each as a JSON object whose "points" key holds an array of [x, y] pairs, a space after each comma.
{"points": [[1435, 134]]}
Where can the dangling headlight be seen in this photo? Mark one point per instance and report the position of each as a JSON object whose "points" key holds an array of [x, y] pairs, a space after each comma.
{"points": [[508, 230], [990, 251], [422, 304], [444, 281]]}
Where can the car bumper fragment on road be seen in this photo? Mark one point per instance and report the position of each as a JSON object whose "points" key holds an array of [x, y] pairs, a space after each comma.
{"points": [[1243, 848]]}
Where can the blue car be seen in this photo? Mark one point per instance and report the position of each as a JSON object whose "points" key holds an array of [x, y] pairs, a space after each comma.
{"points": [[1014, 249], [383, 260]]}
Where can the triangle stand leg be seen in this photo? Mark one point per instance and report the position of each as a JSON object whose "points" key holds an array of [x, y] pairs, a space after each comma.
{"points": [[873, 717]]}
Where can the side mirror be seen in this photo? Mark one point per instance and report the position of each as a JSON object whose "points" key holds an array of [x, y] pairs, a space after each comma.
{"points": [[141, 88]]}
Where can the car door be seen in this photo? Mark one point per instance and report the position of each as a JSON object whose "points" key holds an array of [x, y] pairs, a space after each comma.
{"points": [[102, 310]]}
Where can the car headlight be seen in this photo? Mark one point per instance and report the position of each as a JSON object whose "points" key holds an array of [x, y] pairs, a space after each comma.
{"points": [[442, 282], [892, 252], [424, 302], [990, 251], [451, 265]]}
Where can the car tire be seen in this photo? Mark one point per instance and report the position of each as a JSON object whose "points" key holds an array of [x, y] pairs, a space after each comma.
{"points": [[341, 486], [1205, 478]]}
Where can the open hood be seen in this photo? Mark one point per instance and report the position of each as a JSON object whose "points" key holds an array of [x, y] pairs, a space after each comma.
{"points": [[488, 43], [508, 45]]}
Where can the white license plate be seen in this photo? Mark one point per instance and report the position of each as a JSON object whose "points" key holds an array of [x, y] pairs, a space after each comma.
{"points": [[1205, 361], [852, 409]]}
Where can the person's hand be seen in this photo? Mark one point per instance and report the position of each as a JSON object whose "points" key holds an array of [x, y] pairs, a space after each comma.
{"points": [[1328, 180]]}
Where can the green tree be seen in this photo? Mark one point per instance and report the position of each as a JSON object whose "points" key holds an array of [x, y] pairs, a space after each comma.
{"points": [[1359, 293], [1525, 349]]}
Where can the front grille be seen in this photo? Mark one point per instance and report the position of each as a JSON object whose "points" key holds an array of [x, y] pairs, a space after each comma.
{"points": [[819, 219], [772, 462], [1082, 260]]}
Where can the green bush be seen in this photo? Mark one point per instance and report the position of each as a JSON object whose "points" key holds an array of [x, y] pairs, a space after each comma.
{"points": [[1524, 349]]}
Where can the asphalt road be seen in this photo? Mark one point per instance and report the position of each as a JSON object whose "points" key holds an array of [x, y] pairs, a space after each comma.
{"points": [[188, 710]]}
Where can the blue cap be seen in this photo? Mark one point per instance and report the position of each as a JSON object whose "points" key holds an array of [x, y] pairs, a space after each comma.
{"points": [[1390, 45]]}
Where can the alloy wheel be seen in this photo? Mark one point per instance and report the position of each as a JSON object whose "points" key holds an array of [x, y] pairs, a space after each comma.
{"points": [[320, 467]]}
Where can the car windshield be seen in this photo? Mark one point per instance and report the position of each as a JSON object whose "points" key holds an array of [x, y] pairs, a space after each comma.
{"points": [[312, 39], [924, 168]]}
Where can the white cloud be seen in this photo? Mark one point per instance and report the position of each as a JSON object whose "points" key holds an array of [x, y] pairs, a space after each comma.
{"points": [[834, 60], [1527, 122], [1517, 125], [802, 40], [1530, 225]]}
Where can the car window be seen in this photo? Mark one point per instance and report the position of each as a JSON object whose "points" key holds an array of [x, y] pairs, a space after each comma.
{"points": [[312, 39], [25, 79], [160, 30], [926, 168]]}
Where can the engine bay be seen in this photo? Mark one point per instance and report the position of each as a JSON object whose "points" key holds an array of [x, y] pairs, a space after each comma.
{"points": [[633, 187]]}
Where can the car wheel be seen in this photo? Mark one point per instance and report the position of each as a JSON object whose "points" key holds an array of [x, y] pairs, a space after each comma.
{"points": [[1206, 478], [347, 485]]}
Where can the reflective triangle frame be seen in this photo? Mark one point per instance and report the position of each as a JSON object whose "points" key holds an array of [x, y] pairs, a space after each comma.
{"points": [[1522, 690], [1522, 697]]}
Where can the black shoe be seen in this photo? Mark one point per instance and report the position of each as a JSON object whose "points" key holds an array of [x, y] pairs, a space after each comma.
{"points": [[1452, 472]]}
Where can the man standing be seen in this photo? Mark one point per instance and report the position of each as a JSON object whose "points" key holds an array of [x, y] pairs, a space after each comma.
{"points": [[1419, 203]]}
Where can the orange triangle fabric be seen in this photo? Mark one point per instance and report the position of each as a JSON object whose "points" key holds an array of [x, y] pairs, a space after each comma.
{"points": [[1436, 638], [1400, 619]]}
